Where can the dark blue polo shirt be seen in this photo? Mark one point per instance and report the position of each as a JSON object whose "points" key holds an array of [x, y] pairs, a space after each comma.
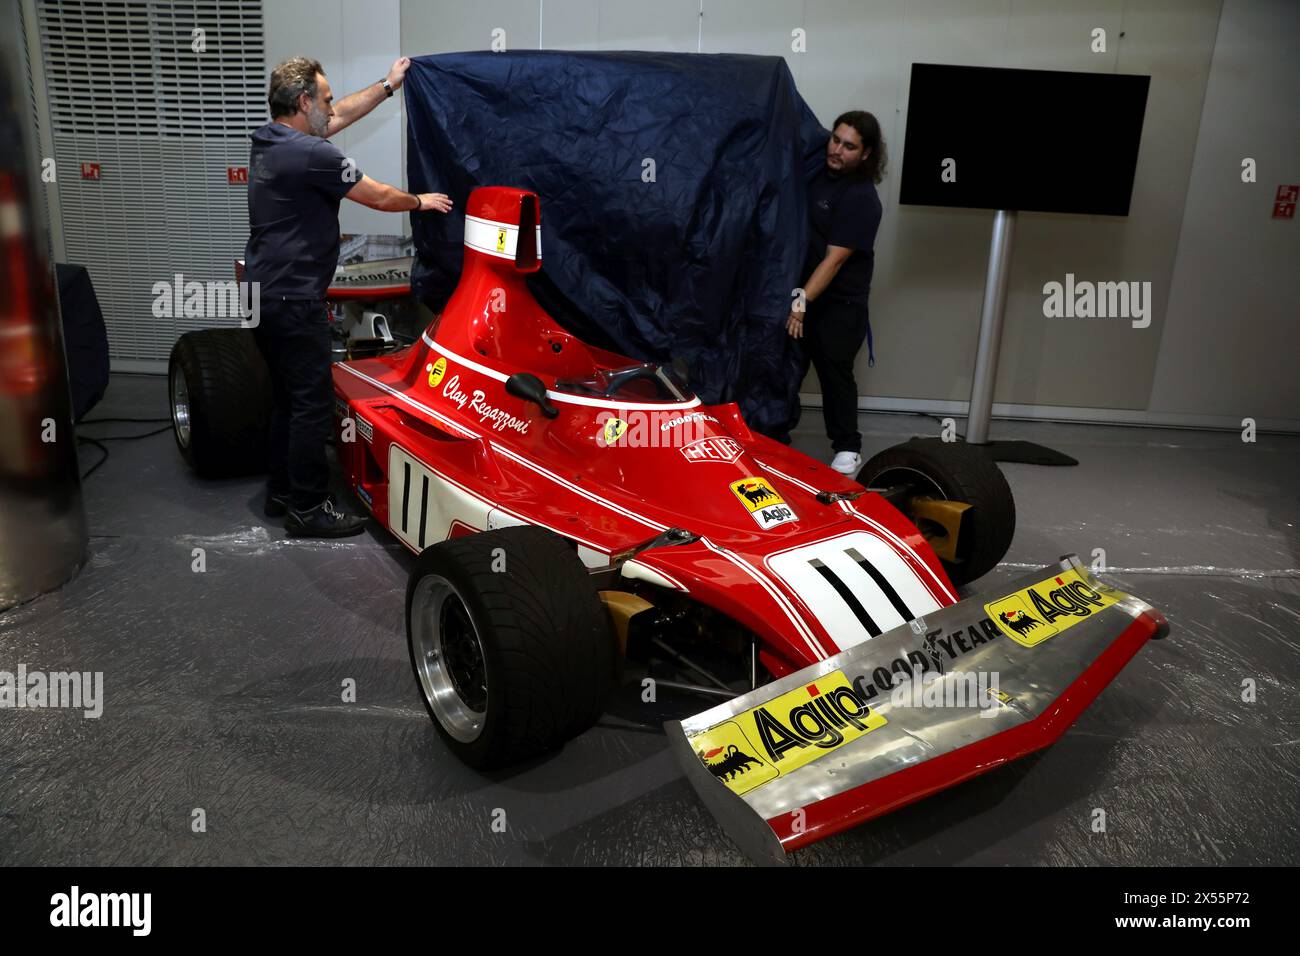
{"points": [[843, 211], [295, 183]]}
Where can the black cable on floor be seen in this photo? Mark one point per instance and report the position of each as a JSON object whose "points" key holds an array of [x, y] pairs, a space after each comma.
{"points": [[90, 441], [156, 431], [99, 442]]}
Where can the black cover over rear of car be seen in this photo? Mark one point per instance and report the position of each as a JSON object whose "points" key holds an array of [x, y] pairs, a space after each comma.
{"points": [[697, 264]]}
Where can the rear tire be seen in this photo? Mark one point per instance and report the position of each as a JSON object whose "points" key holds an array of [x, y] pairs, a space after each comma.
{"points": [[954, 471], [511, 646], [220, 396]]}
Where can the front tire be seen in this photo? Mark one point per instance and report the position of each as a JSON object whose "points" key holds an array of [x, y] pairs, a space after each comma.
{"points": [[510, 644], [952, 471]]}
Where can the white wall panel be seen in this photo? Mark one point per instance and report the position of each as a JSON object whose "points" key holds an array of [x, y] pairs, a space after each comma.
{"points": [[1233, 330]]}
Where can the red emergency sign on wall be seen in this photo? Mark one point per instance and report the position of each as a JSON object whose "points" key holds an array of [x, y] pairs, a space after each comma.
{"points": [[1284, 203], [90, 171], [236, 174]]}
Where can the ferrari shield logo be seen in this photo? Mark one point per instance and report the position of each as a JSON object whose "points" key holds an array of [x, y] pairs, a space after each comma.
{"points": [[501, 240], [614, 430]]}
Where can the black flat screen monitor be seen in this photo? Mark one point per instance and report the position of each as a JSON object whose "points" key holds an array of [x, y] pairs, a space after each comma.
{"points": [[1033, 140]]}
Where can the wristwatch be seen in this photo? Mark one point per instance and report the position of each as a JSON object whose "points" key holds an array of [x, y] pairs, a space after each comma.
{"points": [[388, 87]]}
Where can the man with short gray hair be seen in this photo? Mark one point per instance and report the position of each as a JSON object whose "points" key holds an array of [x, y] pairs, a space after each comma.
{"points": [[296, 180]]}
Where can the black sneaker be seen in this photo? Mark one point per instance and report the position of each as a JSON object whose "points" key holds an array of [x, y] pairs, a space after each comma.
{"points": [[277, 506], [323, 521]]}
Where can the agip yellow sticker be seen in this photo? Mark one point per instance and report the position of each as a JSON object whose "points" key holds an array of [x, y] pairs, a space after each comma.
{"points": [[785, 733], [436, 371], [762, 501], [1043, 610]]}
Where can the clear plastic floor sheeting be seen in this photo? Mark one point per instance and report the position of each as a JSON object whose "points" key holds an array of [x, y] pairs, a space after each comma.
{"points": [[224, 737]]}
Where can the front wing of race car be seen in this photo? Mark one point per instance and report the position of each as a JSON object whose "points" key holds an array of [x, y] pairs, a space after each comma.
{"points": [[918, 709]]}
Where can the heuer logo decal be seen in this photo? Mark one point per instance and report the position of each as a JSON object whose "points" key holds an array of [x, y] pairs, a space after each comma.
{"points": [[762, 502], [1043, 610], [725, 450], [614, 430], [785, 733], [436, 372]]}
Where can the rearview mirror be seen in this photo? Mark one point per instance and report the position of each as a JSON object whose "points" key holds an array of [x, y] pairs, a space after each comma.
{"points": [[530, 388]]}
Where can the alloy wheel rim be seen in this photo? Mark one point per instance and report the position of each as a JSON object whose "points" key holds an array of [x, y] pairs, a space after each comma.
{"points": [[180, 407], [449, 659]]}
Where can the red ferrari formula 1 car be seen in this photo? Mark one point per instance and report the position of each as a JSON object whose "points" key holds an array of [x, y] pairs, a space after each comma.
{"points": [[572, 509]]}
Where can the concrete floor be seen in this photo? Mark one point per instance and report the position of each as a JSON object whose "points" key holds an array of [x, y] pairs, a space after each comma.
{"points": [[223, 688]]}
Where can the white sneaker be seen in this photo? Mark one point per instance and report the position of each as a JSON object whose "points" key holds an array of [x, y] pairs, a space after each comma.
{"points": [[847, 463]]}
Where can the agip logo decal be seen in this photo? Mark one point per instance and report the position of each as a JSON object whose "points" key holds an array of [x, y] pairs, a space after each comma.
{"points": [[1043, 610], [436, 371], [765, 506], [785, 733]]}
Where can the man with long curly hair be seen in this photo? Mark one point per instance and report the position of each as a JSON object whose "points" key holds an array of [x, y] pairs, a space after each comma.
{"points": [[843, 216]]}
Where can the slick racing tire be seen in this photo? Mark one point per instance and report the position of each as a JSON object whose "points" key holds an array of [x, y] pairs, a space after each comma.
{"points": [[952, 471], [220, 396], [512, 648]]}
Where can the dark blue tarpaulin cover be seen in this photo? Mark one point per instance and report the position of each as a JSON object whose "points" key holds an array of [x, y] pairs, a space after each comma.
{"points": [[692, 258]]}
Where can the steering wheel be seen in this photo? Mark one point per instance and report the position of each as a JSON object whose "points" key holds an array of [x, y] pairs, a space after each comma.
{"points": [[619, 379]]}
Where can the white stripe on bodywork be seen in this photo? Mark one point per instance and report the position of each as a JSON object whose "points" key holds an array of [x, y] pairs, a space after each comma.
{"points": [[795, 568], [482, 235], [445, 502], [895, 540], [800, 626], [563, 397], [899, 543], [505, 452]]}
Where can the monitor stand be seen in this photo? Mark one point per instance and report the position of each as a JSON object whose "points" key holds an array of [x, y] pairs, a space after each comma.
{"points": [[986, 357]]}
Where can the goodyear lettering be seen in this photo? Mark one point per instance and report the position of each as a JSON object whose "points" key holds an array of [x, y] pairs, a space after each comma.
{"points": [[863, 688], [918, 661], [690, 417], [924, 659]]}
